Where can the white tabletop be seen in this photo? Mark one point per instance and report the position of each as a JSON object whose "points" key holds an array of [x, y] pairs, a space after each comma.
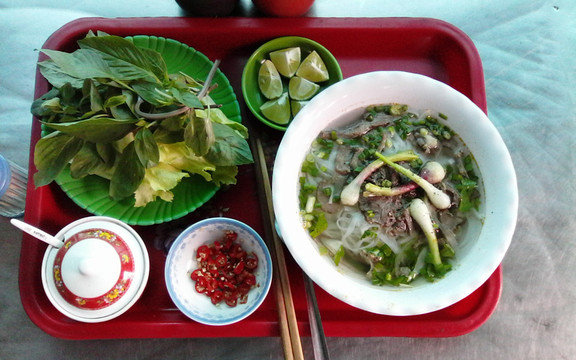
{"points": [[528, 49]]}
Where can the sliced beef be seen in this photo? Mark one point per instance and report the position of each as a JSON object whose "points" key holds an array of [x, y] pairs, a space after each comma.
{"points": [[389, 212], [359, 128]]}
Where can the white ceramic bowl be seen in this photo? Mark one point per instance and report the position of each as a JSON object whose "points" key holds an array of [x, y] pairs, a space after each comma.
{"points": [[181, 261], [99, 272], [485, 243]]}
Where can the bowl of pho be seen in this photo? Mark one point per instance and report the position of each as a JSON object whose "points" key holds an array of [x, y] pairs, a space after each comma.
{"points": [[395, 193]]}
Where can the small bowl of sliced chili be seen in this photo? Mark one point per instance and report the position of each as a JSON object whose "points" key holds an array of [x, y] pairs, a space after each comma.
{"points": [[218, 271]]}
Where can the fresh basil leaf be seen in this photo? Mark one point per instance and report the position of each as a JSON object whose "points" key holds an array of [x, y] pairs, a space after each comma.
{"points": [[174, 123], [124, 110], [229, 148], [115, 47], [85, 162], [37, 107], [52, 153], [199, 134], [186, 97], [67, 93], [183, 80], [80, 64], [114, 101], [218, 116], [146, 148], [96, 103], [156, 63], [166, 136], [92, 64], [152, 93], [97, 129], [128, 174], [53, 106], [121, 112], [56, 76], [107, 152]]}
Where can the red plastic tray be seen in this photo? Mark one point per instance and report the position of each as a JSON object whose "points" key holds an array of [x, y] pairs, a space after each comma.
{"points": [[424, 46]]}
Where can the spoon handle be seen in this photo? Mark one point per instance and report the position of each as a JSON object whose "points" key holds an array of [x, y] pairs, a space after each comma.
{"points": [[37, 233]]}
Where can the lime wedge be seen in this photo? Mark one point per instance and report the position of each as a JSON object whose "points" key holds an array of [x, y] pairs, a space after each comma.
{"points": [[286, 60], [302, 89], [297, 105], [269, 80], [277, 110], [313, 68]]}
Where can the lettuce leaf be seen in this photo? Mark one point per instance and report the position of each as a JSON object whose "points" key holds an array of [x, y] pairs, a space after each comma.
{"points": [[181, 157], [158, 181]]}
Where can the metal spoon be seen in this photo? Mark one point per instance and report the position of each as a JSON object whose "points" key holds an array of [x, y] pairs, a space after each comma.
{"points": [[37, 233]]}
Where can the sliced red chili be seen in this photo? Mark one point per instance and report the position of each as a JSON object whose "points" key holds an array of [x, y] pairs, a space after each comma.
{"points": [[239, 267], [212, 267], [218, 245], [203, 252], [231, 235], [226, 271], [196, 274], [217, 296], [244, 289], [243, 299], [211, 285], [250, 279], [231, 301], [251, 262], [201, 285], [221, 260], [228, 285]]}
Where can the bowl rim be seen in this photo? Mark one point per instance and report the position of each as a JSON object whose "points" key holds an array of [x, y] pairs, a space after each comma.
{"points": [[391, 301], [277, 44], [256, 301]]}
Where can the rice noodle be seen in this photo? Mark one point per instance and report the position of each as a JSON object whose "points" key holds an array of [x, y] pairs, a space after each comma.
{"points": [[349, 222], [420, 260], [350, 227]]}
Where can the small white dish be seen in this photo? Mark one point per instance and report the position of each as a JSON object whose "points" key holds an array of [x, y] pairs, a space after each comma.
{"points": [[99, 272], [181, 261], [483, 247]]}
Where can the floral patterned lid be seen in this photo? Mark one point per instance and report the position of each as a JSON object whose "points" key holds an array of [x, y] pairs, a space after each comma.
{"points": [[99, 272], [93, 269]]}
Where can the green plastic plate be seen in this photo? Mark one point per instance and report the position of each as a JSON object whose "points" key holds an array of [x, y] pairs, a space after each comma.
{"points": [[91, 192]]}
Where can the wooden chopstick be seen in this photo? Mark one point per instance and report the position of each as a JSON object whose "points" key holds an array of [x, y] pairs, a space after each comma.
{"points": [[282, 318], [289, 332]]}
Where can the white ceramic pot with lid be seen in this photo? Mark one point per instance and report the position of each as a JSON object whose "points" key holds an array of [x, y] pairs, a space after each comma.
{"points": [[99, 272]]}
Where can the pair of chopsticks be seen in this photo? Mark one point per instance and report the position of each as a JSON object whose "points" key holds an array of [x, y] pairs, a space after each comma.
{"points": [[289, 332]]}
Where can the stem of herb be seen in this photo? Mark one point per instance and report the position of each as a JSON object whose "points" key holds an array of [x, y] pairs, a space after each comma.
{"points": [[160, 116], [208, 80]]}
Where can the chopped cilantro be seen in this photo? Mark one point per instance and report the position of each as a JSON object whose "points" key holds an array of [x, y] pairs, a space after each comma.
{"points": [[339, 255], [318, 225]]}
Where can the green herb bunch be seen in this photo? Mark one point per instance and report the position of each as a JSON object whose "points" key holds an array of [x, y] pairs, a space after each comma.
{"points": [[115, 111]]}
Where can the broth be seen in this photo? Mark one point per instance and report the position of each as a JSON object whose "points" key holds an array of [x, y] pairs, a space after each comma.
{"points": [[361, 202]]}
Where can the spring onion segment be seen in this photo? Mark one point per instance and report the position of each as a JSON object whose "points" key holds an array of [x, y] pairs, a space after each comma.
{"points": [[421, 214], [437, 197]]}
